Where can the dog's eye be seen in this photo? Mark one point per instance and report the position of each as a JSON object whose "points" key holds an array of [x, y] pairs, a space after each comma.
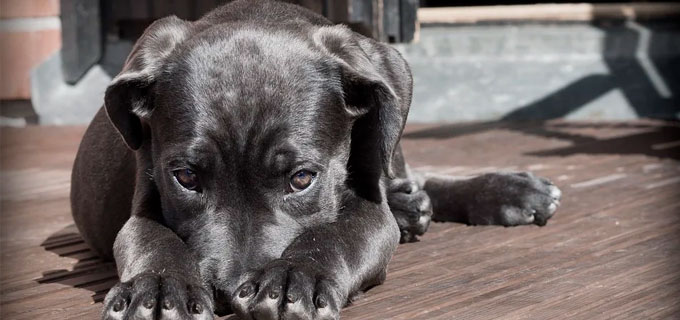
{"points": [[187, 178], [301, 180]]}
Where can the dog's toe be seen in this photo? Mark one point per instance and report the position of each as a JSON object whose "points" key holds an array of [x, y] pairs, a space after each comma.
{"points": [[152, 296], [286, 290], [512, 199], [555, 192], [411, 208], [544, 199]]}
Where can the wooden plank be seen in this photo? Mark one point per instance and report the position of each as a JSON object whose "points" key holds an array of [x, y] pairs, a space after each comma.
{"points": [[25, 44], [81, 37], [391, 21], [610, 251], [549, 12], [28, 8], [408, 19]]}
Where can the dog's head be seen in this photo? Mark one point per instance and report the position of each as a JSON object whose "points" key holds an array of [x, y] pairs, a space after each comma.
{"points": [[252, 135]]}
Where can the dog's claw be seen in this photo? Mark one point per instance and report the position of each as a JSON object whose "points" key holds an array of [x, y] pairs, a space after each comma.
{"points": [[307, 294], [195, 308], [119, 305], [526, 199], [137, 299]]}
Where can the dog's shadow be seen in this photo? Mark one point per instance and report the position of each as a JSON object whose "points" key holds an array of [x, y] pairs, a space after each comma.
{"points": [[89, 272]]}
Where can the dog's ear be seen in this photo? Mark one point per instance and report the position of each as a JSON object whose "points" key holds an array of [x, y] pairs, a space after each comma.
{"points": [[368, 95], [127, 99]]}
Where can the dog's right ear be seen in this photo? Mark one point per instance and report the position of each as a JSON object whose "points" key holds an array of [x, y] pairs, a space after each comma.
{"points": [[128, 100], [369, 95]]}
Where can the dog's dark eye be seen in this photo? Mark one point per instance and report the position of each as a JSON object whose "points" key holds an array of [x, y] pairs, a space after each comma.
{"points": [[187, 178], [301, 180]]}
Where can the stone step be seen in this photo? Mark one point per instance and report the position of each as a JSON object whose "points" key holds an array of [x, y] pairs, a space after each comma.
{"points": [[535, 70]]}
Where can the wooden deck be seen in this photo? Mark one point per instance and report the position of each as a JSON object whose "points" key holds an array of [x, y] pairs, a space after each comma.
{"points": [[611, 252]]}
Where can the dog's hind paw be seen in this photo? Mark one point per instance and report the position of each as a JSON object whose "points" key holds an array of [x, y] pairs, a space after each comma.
{"points": [[512, 199], [411, 208], [287, 290], [153, 296]]}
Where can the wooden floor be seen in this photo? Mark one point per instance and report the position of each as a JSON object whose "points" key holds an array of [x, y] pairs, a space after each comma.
{"points": [[612, 251]]}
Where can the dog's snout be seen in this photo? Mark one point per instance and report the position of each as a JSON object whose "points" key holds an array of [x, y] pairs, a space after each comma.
{"points": [[222, 299]]}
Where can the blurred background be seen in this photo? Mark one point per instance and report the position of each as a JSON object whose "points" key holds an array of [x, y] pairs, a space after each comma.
{"points": [[472, 60], [555, 88]]}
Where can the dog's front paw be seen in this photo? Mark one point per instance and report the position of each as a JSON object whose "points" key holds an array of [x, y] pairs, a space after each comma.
{"points": [[154, 296], [411, 208], [512, 199], [287, 290]]}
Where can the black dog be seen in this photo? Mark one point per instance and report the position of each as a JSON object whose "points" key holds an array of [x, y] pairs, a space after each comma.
{"points": [[250, 162]]}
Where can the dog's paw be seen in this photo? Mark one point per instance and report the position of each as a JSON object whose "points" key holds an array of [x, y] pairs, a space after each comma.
{"points": [[287, 290], [411, 208], [153, 296], [512, 199]]}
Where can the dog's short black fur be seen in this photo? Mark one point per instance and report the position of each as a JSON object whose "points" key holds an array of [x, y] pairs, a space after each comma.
{"points": [[250, 162]]}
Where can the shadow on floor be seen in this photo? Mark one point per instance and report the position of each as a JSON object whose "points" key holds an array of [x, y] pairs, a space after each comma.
{"points": [[640, 65], [654, 140], [89, 272]]}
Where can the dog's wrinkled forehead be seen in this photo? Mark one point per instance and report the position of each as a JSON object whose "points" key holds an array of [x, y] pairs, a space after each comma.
{"points": [[252, 67], [247, 81]]}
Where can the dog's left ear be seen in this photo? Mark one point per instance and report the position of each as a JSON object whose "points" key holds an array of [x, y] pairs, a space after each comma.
{"points": [[128, 98], [381, 104]]}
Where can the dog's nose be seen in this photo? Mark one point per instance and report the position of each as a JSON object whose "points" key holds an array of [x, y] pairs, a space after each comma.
{"points": [[222, 302]]}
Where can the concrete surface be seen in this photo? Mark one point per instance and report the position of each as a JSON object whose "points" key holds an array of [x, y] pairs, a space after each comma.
{"points": [[481, 72], [543, 71]]}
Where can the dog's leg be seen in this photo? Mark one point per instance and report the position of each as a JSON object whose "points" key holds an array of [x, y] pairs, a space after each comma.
{"points": [[409, 203], [319, 271], [159, 277], [507, 199], [102, 185]]}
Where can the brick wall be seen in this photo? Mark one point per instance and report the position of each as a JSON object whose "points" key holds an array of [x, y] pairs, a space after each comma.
{"points": [[30, 31]]}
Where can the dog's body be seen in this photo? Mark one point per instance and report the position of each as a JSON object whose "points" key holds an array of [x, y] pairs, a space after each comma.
{"points": [[250, 161]]}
